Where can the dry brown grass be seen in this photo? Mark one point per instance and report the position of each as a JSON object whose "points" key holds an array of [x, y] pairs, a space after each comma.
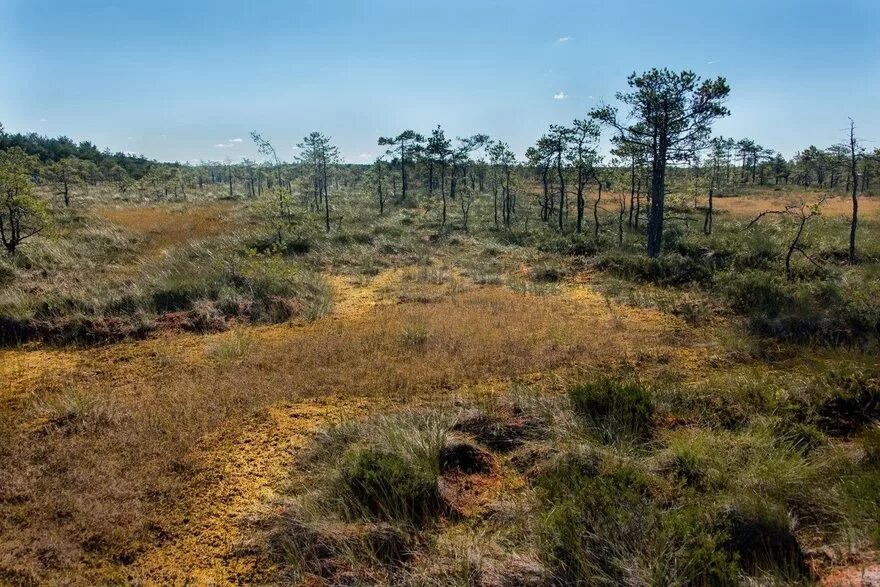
{"points": [[752, 205], [166, 225], [138, 461]]}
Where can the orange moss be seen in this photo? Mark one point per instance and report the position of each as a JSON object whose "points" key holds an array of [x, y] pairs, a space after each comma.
{"points": [[195, 438], [166, 225]]}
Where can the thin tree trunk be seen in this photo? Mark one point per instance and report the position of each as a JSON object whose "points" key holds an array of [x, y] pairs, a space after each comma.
{"points": [[855, 196]]}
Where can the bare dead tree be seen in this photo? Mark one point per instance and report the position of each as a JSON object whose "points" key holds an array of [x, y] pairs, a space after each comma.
{"points": [[802, 213]]}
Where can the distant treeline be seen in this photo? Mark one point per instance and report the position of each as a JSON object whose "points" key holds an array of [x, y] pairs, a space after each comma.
{"points": [[53, 149]]}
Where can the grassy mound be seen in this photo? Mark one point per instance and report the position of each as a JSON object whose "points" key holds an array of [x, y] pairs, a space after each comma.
{"points": [[614, 411]]}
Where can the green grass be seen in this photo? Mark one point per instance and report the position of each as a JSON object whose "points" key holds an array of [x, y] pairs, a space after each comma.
{"points": [[701, 503]]}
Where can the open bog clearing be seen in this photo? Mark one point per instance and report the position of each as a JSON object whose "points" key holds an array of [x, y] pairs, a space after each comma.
{"points": [[163, 449], [168, 458], [601, 338]]}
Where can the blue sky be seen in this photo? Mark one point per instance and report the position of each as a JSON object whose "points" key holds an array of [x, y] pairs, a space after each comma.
{"points": [[176, 80]]}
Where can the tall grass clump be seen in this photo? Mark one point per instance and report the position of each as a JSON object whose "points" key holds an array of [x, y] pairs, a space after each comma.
{"points": [[372, 489], [615, 411]]}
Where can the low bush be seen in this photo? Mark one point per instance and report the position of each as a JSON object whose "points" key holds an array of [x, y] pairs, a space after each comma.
{"points": [[326, 548], [760, 534], [669, 269], [861, 502], [690, 551], [592, 530], [386, 487], [573, 244], [502, 428], [848, 401], [821, 311], [614, 410]]}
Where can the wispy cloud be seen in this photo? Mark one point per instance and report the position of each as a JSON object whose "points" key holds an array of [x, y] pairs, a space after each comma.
{"points": [[560, 96], [236, 140], [711, 62], [563, 39], [364, 155], [222, 145]]}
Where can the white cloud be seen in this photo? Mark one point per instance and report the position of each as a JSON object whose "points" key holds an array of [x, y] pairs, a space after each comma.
{"points": [[236, 140], [563, 39], [222, 145], [560, 96], [364, 155], [42, 120], [711, 62]]}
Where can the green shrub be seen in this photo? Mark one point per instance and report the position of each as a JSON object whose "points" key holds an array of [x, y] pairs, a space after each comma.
{"points": [[7, 271], [614, 410], [546, 274], [758, 293], [861, 495], [573, 244], [802, 436], [825, 311], [670, 269], [759, 533], [691, 552], [176, 295], [568, 474], [851, 400], [592, 531], [872, 447], [387, 487]]}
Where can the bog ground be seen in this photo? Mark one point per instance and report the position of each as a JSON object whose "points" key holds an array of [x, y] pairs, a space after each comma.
{"points": [[172, 456]]}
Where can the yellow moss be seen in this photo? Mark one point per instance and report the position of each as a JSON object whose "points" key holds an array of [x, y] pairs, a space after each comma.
{"points": [[352, 362]]}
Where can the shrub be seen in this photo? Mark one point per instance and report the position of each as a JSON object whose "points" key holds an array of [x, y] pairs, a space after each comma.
{"points": [[759, 533], [297, 245], [872, 447], [690, 552], [614, 410], [592, 530], [758, 293], [7, 271], [851, 400], [386, 487], [503, 428], [328, 548], [573, 244], [670, 269], [829, 311], [802, 436], [546, 274], [176, 295]]}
